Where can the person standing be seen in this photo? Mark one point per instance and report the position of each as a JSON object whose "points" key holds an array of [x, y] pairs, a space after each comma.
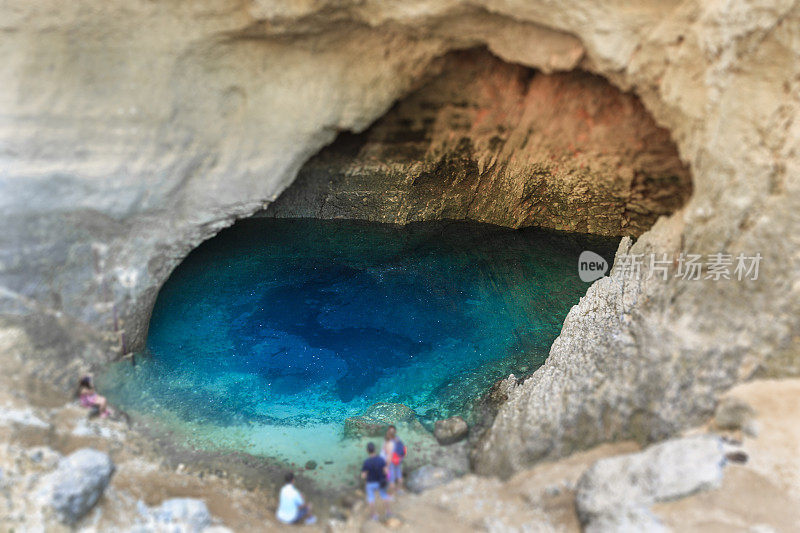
{"points": [[374, 473], [292, 508], [394, 451]]}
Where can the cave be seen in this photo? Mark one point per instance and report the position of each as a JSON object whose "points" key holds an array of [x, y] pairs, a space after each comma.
{"points": [[410, 266], [412, 171]]}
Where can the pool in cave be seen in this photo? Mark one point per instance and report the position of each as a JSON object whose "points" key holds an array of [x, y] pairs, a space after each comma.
{"points": [[268, 336]]}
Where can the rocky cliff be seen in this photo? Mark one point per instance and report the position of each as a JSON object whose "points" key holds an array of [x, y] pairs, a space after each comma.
{"points": [[132, 131], [493, 142]]}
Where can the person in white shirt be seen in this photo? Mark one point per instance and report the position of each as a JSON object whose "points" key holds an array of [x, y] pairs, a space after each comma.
{"points": [[292, 509]]}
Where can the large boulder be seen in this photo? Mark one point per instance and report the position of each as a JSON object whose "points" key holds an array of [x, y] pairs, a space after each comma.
{"points": [[77, 483], [427, 477], [450, 430], [360, 426], [377, 418], [391, 413], [619, 490]]}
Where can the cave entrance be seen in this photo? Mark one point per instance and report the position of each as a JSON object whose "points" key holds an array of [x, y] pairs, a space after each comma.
{"points": [[409, 266]]}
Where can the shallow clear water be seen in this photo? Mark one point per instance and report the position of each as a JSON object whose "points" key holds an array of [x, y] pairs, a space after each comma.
{"points": [[269, 335]]}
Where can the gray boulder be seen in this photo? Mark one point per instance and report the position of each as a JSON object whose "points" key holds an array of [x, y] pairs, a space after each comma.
{"points": [[390, 413], [451, 430], [454, 457], [733, 414], [77, 483], [361, 426], [378, 417], [427, 477], [187, 514], [620, 490]]}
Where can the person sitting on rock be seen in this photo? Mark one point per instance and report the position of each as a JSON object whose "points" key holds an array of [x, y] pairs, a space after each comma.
{"points": [[89, 398], [374, 473], [292, 508]]}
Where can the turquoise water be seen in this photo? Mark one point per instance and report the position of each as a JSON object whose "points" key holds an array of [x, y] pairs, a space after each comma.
{"points": [[275, 331]]}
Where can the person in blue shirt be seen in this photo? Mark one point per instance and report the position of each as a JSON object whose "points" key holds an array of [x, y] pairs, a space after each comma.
{"points": [[374, 473]]}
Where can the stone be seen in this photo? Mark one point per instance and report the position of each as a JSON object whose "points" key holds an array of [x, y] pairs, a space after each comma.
{"points": [[453, 457], [377, 418], [360, 426], [451, 430], [390, 413], [188, 513], [733, 414], [43, 457], [427, 477], [499, 392], [77, 483], [487, 406], [21, 417], [311, 465], [739, 457], [617, 488]]}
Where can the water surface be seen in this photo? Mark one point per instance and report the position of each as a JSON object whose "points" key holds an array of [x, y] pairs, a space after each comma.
{"points": [[272, 333]]}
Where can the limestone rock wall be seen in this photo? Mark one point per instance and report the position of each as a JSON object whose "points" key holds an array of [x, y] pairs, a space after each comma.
{"points": [[131, 131], [494, 142]]}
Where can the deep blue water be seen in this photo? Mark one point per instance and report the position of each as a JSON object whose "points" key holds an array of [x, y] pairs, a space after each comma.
{"points": [[300, 322]]}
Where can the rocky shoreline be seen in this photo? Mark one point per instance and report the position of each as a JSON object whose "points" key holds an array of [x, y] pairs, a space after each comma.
{"points": [[60, 469]]}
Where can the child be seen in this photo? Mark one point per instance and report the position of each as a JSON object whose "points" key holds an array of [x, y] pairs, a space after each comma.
{"points": [[90, 399]]}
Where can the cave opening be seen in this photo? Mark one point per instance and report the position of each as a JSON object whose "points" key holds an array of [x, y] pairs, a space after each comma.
{"points": [[278, 336], [407, 268]]}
